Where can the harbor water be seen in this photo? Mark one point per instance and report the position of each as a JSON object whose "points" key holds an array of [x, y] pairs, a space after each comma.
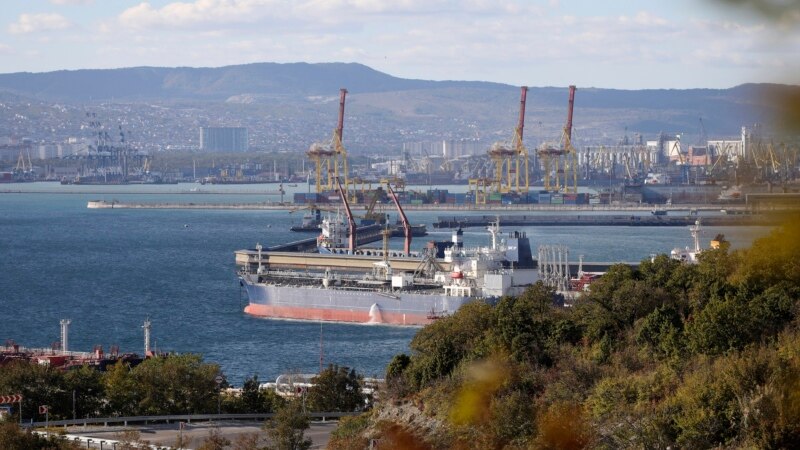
{"points": [[109, 269]]}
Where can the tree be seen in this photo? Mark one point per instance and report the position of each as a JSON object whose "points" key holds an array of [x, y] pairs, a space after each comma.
{"points": [[87, 385], [122, 396], [439, 347], [287, 430], [254, 399], [336, 389], [523, 324], [12, 437], [39, 385], [397, 365], [176, 384]]}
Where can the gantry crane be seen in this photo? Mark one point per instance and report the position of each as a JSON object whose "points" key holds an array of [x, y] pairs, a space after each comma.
{"points": [[571, 160], [511, 159], [330, 158], [561, 162]]}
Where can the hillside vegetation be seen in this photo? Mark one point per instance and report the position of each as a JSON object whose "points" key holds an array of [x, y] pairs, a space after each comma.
{"points": [[667, 356]]}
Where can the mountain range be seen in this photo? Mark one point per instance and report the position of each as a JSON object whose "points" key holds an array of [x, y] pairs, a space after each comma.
{"points": [[302, 91]]}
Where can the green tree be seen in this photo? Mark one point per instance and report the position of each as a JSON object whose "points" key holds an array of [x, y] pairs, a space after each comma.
{"points": [[723, 324], [122, 395], [87, 384], [441, 346], [662, 332], [336, 389], [397, 366], [524, 324], [176, 384], [287, 430], [39, 385]]}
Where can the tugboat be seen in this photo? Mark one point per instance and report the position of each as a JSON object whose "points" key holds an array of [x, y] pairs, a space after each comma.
{"points": [[312, 220]]}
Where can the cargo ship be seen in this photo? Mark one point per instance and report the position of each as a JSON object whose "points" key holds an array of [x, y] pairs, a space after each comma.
{"points": [[382, 286]]}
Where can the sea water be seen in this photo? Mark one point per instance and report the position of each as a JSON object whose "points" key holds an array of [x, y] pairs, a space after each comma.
{"points": [[110, 269]]}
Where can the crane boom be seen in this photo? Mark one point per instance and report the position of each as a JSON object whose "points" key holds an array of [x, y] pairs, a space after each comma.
{"points": [[568, 126], [351, 223], [340, 123], [403, 219], [521, 124]]}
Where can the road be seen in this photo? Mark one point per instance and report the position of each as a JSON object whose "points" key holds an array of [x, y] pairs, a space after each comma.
{"points": [[167, 434]]}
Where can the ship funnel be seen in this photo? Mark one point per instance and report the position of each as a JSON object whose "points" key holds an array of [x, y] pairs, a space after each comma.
{"points": [[375, 315], [458, 238]]}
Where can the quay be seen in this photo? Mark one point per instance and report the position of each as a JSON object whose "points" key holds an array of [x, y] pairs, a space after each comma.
{"points": [[602, 220], [104, 204], [364, 235]]}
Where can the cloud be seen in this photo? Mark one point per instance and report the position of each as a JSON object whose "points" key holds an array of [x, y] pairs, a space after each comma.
{"points": [[32, 23], [72, 2], [198, 13], [308, 13]]}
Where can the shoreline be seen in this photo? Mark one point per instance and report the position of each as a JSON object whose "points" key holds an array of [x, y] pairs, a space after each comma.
{"points": [[103, 204]]}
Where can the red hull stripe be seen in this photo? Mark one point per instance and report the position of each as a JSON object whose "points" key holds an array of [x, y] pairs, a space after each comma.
{"points": [[335, 315]]}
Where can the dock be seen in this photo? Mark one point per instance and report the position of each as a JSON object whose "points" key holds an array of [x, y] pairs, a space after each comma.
{"points": [[603, 220], [364, 235]]}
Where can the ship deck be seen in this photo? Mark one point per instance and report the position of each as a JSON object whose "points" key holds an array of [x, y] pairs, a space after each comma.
{"points": [[248, 259]]}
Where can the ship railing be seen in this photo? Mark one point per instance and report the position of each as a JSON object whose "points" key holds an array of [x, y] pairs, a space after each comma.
{"points": [[44, 351], [311, 275]]}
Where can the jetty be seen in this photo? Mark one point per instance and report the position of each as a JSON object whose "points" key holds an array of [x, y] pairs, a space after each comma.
{"points": [[603, 220]]}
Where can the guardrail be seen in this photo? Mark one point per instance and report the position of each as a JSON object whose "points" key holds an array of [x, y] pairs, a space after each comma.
{"points": [[188, 418]]}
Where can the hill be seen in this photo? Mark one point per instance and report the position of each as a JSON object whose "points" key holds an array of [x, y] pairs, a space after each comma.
{"points": [[391, 110]]}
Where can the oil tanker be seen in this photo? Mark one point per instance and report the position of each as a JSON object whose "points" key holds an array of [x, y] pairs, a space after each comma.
{"points": [[383, 286]]}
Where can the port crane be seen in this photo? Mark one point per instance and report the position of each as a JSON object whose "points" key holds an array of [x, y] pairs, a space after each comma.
{"points": [[403, 218], [330, 158], [571, 162], [511, 159], [351, 223], [676, 148], [551, 156]]}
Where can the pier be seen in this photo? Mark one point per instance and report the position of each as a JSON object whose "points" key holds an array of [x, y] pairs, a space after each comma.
{"points": [[602, 220], [364, 235], [113, 204]]}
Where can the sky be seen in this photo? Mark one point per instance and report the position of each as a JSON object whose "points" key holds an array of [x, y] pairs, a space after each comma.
{"points": [[623, 44]]}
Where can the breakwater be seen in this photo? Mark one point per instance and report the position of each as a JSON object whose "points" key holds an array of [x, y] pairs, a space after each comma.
{"points": [[601, 220], [106, 204]]}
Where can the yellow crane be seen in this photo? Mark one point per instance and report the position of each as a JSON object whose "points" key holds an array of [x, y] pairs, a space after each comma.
{"points": [[330, 158]]}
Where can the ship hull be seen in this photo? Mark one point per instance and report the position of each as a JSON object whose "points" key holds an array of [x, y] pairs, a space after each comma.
{"points": [[346, 305]]}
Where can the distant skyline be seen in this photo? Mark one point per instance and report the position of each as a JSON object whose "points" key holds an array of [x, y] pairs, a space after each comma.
{"points": [[619, 44]]}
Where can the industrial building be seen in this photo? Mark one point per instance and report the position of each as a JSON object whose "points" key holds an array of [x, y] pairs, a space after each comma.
{"points": [[223, 139]]}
